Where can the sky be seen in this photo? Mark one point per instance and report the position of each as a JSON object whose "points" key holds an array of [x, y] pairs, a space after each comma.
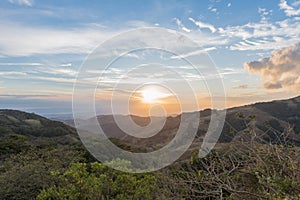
{"points": [[254, 46]]}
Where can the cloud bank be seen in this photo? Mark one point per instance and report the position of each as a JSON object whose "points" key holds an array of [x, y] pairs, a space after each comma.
{"points": [[280, 70]]}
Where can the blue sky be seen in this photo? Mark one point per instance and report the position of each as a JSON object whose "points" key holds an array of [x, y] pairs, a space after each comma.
{"points": [[44, 43]]}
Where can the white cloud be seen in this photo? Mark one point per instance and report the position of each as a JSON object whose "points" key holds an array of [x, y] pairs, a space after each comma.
{"points": [[281, 70], [207, 39], [49, 40], [263, 44], [54, 79], [22, 2], [59, 71], [203, 25], [12, 73], [289, 10], [21, 64], [213, 9], [82, 40], [229, 4], [66, 65], [230, 71], [264, 13], [181, 26], [263, 35], [197, 52]]}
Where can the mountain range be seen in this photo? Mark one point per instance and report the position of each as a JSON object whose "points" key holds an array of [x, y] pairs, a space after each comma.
{"points": [[268, 122]]}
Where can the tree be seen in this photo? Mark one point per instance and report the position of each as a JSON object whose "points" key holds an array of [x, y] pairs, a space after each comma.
{"points": [[97, 181]]}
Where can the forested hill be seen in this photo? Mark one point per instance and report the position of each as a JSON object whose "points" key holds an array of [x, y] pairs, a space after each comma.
{"points": [[20, 131], [270, 122], [44, 159], [30, 124]]}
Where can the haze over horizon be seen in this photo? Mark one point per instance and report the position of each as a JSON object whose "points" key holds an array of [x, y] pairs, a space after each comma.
{"points": [[45, 44]]}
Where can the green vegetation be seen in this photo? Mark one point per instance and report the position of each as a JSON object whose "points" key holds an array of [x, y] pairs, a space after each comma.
{"points": [[231, 171], [97, 181], [13, 121], [23, 175], [59, 167], [13, 143]]}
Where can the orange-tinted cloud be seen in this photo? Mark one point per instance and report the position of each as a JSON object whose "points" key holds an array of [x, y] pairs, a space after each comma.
{"points": [[280, 70]]}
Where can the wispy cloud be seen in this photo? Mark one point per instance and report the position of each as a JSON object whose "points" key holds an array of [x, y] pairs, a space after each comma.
{"points": [[60, 71], [263, 35], [264, 13], [289, 10], [203, 25], [22, 2], [241, 87], [49, 40], [193, 53], [30, 96], [55, 79], [213, 9], [12, 73], [230, 71], [21, 64], [66, 65], [181, 25]]}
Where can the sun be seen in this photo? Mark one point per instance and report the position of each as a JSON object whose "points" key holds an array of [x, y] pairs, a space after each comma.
{"points": [[151, 95]]}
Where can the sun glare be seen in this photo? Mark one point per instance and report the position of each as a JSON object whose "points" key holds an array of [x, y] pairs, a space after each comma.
{"points": [[152, 95]]}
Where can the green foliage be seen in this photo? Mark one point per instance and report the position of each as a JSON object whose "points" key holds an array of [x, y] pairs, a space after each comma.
{"points": [[13, 143], [35, 164], [240, 115], [13, 121], [33, 122], [23, 175], [97, 181]]}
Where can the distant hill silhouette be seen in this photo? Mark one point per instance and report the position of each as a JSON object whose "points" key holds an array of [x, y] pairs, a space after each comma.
{"points": [[271, 122]]}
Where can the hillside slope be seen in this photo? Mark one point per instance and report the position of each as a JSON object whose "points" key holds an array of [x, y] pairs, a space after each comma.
{"points": [[270, 122], [30, 124], [20, 130]]}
